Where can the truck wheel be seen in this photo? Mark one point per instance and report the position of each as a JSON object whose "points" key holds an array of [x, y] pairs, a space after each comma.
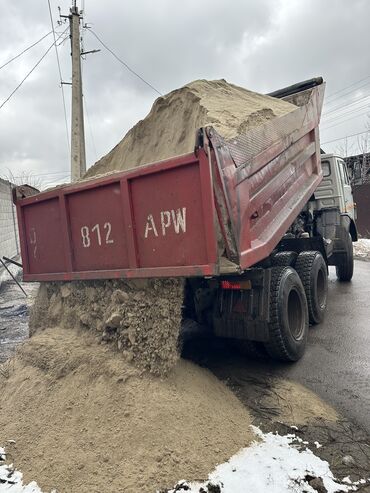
{"points": [[312, 270], [345, 268], [288, 327], [284, 259]]}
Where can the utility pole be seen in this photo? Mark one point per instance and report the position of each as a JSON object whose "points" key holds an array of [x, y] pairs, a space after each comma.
{"points": [[78, 155]]}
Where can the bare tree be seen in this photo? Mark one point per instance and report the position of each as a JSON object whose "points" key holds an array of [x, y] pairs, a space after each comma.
{"points": [[345, 149], [25, 178]]}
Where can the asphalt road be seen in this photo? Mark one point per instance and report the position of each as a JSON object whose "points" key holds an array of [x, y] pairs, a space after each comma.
{"points": [[336, 364]]}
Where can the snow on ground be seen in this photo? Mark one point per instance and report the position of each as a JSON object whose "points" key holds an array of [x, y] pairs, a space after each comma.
{"points": [[361, 248], [11, 480], [276, 464]]}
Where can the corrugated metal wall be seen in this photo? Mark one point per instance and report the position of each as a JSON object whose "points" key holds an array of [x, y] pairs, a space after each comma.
{"points": [[361, 194], [9, 242]]}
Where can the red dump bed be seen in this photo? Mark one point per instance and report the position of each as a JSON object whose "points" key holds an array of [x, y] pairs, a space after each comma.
{"points": [[220, 209]]}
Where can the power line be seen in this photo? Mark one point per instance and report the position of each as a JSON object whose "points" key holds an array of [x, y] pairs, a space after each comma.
{"points": [[29, 73], [46, 174], [24, 51], [345, 120], [345, 106], [90, 128], [345, 137], [60, 76], [124, 63], [347, 87], [334, 118]]}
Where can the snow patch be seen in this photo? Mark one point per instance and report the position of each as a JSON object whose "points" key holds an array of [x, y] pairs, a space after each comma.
{"points": [[361, 248], [11, 480], [276, 464]]}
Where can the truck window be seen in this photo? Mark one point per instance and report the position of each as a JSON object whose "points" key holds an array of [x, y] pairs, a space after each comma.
{"points": [[343, 172], [325, 165]]}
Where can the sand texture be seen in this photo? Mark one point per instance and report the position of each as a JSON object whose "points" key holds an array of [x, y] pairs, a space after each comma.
{"points": [[170, 127], [139, 318], [84, 420]]}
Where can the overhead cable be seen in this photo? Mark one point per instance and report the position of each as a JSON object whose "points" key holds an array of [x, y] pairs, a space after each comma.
{"points": [[24, 51], [347, 87], [124, 63], [60, 76], [29, 73], [345, 137]]}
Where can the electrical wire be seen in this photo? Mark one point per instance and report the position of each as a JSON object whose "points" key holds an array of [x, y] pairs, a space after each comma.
{"points": [[60, 77], [343, 121], [90, 128], [344, 113], [347, 87], [345, 137], [24, 51], [28, 74], [124, 63], [346, 106], [46, 174]]}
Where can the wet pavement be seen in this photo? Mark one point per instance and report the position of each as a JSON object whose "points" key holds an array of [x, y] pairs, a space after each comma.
{"points": [[14, 309], [336, 365]]}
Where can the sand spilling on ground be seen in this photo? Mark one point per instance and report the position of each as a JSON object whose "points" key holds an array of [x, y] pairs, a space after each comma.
{"points": [[170, 127], [297, 405], [139, 318], [84, 420]]}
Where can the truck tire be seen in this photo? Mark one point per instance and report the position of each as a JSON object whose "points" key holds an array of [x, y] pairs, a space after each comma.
{"points": [[284, 259], [312, 270], [288, 326], [345, 268]]}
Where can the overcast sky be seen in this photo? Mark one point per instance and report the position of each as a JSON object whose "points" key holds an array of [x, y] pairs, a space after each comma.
{"points": [[259, 44]]}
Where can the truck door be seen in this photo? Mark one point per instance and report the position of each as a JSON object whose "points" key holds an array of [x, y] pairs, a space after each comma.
{"points": [[349, 207]]}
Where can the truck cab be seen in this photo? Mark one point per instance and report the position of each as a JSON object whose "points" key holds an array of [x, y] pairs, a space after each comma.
{"points": [[335, 213], [335, 189]]}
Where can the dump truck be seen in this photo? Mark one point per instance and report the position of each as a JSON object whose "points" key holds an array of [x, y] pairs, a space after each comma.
{"points": [[251, 223]]}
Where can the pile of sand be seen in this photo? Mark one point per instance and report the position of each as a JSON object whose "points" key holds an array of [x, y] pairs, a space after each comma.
{"points": [[170, 127], [85, 420], [141, 318]]}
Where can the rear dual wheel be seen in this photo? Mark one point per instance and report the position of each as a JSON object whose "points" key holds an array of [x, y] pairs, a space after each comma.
{"points": [[313, 272], [288, 327]]}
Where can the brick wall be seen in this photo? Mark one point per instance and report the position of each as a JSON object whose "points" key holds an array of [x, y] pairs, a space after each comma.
{"points": [[9, 242]]}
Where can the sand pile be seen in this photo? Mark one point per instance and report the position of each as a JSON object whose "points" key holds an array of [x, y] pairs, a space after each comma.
{"points": [[140, 318], [84, 420], [169, 129]]}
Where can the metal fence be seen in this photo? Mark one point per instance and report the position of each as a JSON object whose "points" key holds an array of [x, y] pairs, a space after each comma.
{"points": [[9, 241]]}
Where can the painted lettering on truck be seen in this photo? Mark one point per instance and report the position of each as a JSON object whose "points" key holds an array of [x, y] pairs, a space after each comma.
{"points": [[167, 220]]}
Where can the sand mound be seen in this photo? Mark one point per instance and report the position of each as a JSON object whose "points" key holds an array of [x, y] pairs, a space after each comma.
{"points": [[141, 318], [85, 421], [169, 129], [297, 405]]}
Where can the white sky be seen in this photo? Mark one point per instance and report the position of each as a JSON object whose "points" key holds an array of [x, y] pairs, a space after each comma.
{"points": [[259, 44]]}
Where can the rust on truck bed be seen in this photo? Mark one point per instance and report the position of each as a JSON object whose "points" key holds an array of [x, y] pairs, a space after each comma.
{"points": [[166, 219]]}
